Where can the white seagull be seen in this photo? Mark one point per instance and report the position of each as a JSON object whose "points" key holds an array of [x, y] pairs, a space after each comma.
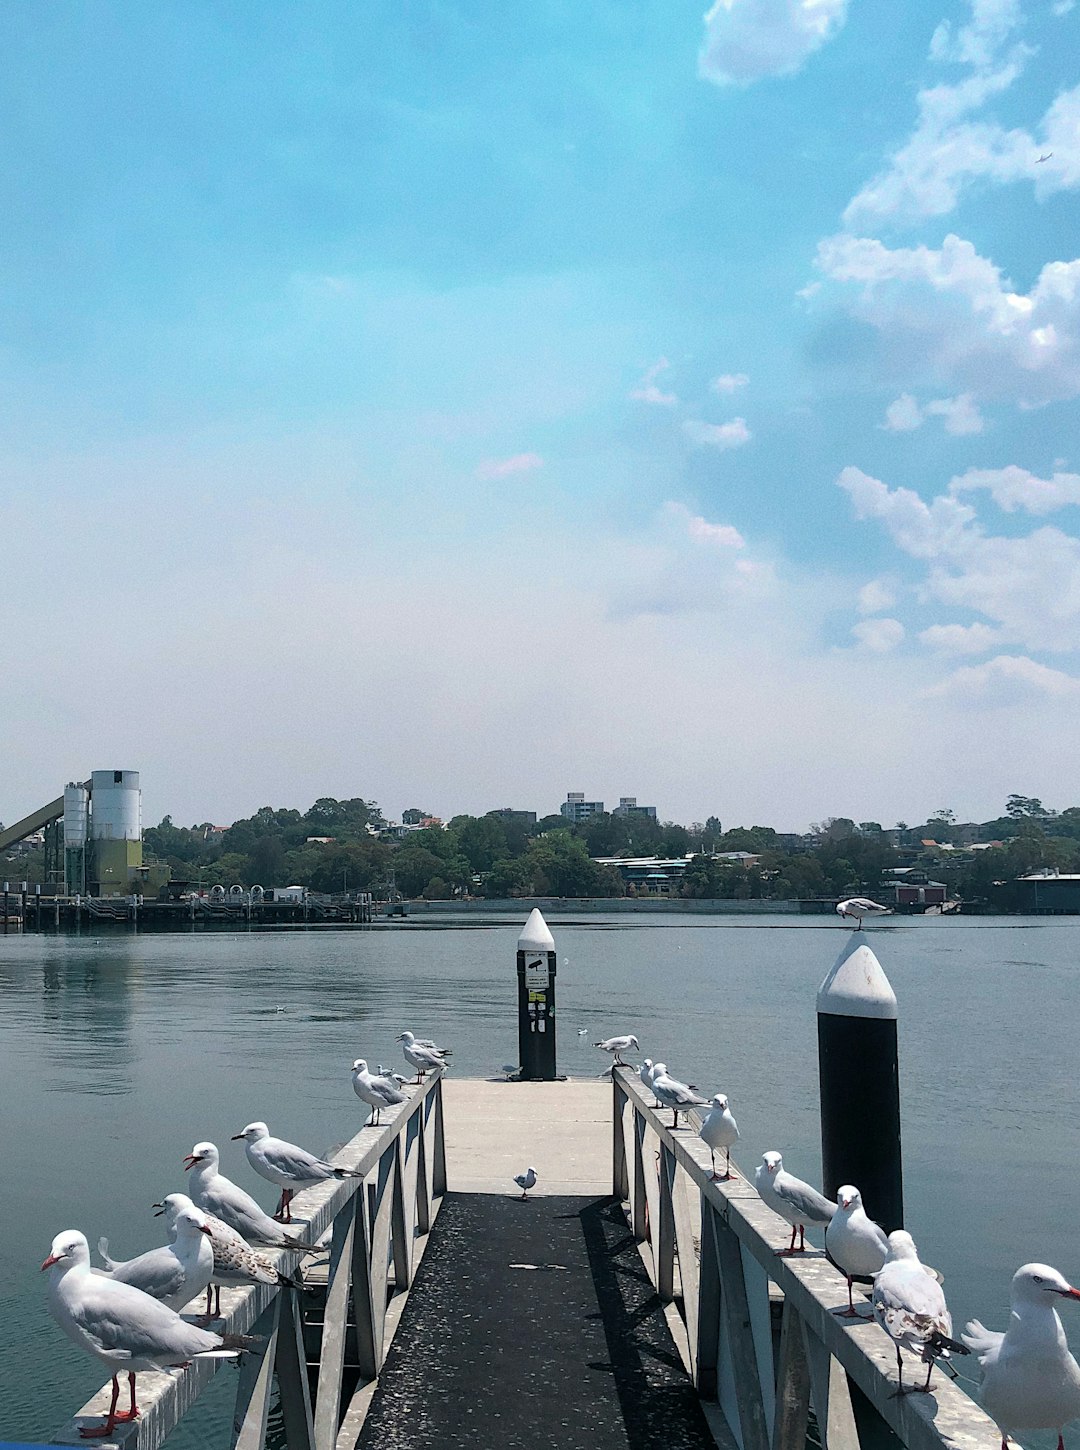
{"points": [[235, 1262], [389, 1072], [377, 1092], [214, 1193], [176, 1273], [525, 1181], [795, 1201], [861, 907], [720, 1130], [121, 1326], [646, 1073], [855, 1243], [673, 1094], [290, 1167], [423, 1059], [909, 1304], [1030, 1380], [618, 1045]]}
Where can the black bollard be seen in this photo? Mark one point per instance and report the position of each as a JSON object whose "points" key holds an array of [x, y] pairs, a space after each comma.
{"points": [[536, 1000], [859, 1073]]}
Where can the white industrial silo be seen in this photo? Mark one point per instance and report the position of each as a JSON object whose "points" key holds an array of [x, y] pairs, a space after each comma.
{"points": [[76, 815], [115, 830]]}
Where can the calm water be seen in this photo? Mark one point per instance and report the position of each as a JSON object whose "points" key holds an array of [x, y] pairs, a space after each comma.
{"points": [[118, 1052]]}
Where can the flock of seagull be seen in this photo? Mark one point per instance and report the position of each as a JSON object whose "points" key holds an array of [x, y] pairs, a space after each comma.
{"points": [[1030, 1380], [127, 1314]]}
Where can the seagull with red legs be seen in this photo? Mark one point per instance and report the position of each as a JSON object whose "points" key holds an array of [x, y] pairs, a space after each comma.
{"points": [[286, 1165], [855, 1243], [719, 1130], [795, 1201]]}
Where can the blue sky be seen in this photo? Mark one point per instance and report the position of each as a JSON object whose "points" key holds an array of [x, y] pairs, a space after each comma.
{"points": [[457, 404]]}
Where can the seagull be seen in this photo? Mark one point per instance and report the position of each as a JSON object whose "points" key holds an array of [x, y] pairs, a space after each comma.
{"points": [[235, 1262], [909, 1304], [1030, 1380], [525, 1181], [792, 1199], [434, 1046], [646, 1072], [670, 1093], [290, 1167], [121, 1326], [382, 1071], [719, 1130], [618, 1045], [860, 907], [1046, 157], [176, 1273], [424, 1059], [510, 1070], [377, 1092], [854, 1242], [583, 1032], [214, 1193]]}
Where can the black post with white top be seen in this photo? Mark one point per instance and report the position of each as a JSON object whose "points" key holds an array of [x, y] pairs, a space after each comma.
{"points": [[536, 1000], [859, 1072]]}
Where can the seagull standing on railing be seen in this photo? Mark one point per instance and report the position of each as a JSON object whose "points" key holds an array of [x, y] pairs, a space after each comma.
{"points": [[377, 1092], [381, 1071], [855, 1243], [861, 907], [719, 1130], [673, 1094], [286, 1165], [792, 1199], [618, 1045], [121, 1326], [1030, 1380], [176, 1273], [235, 1261], [909, 1304], [216, 1194], [423, 1059], [646, 1072]]}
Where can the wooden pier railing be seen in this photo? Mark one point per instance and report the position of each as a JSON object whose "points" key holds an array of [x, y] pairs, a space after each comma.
{"points": [[758, 1333], [371, 1231]]}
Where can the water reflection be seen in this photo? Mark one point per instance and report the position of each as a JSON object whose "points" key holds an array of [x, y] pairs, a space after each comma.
{"points": [[87, 1011]]}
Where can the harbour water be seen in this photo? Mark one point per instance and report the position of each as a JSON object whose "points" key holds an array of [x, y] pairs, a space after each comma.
{"points": [[119, 1051]]}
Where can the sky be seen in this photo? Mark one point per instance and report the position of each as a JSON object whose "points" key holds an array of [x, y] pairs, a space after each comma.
{"points": [[459, 404]]}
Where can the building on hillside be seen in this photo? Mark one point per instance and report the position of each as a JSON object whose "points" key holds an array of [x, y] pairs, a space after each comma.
{"points": [[510, 817], [628, 806], [576, 808], [1048, 893], [658, 875], [912, 890]]}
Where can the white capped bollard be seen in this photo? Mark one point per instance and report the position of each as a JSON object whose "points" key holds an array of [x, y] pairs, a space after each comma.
{"points": [[859, 1074], [536, 1000]]}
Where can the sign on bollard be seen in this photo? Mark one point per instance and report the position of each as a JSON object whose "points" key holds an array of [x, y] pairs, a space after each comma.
{"points": [[536, 1000]]}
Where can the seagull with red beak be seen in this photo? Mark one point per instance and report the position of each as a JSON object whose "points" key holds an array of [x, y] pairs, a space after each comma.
{"points": [[214, 1193], [1030, 1380], [176, 1273], [855, 1243]]}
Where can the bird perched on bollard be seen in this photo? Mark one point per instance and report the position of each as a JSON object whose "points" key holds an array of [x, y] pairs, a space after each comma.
{"points": [[855, 1243], [861, 907], [719, 1130], [673, 1094], [214, 1193], [525, 1181], [286, 1165], [795, 1201], [377, 1092], [175, 1273], [1030, 1381], [617, 1046], [423, 1059], [909, 1304]]}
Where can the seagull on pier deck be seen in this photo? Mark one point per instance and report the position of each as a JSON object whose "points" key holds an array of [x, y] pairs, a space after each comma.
{"points": [[423, 1059], [286, 1165], [377, 1092], [909, 1304], [861, 907], [792, 1199], [617, 1045], [719, 1130], [121, 1326], [1030, 1380], [855, 1243], [525, 1181], [235, 1262], [214, 1193], [176, 1273], [673, 1094]]}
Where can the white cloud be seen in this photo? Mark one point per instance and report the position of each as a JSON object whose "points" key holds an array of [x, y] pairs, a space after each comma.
{"points": [[921, 530], [1007, 680], [647, 390], [718, 435], [963, 319], [505, 467], [975, 43], [903, 415], [729, 382], [748, 39], [875, 596], [879, 635], [961, 414], [1015, 488], [960, 639], [724, 536]]}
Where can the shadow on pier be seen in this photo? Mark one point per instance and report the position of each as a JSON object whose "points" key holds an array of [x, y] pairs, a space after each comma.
{"points": [[533, 1323]]}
